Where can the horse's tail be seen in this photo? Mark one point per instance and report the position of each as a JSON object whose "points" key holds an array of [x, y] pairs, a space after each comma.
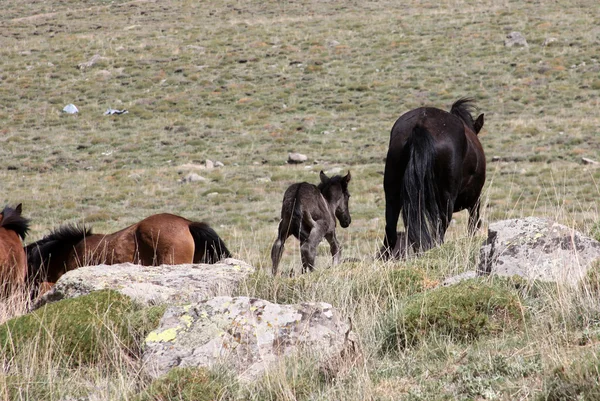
{"points": [[420, 208], [39, 253], [206, 239], [298, 214], [12, 220]]}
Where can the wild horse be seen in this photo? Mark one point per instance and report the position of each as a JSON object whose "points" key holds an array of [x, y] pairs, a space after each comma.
{"points": [[308, 213], [13, 264], [435, 166], [158, 239]]}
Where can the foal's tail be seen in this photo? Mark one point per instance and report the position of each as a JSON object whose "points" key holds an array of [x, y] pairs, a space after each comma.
{"points": [[207, 241], [420, 208]]}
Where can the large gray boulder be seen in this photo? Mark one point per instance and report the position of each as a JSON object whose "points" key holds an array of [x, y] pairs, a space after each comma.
{"points": [[172, 284], [246, 335], [539, 249]]}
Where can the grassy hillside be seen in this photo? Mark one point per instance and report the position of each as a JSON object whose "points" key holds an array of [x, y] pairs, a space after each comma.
{"points": [[245, 83]]}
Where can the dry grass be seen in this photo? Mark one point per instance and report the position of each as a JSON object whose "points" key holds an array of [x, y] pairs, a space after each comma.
{"points": [[245, 83]]}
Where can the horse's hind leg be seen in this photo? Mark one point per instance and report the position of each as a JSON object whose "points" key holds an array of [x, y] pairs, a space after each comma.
{"points": [[283, 233], [334, 245], [308, 248]]}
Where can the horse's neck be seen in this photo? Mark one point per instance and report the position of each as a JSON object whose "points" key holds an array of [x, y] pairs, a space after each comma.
{"points": [[328, 205]]}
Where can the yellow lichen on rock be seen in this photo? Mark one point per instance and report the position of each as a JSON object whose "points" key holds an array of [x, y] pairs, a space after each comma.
{"points": [[163, 336]]}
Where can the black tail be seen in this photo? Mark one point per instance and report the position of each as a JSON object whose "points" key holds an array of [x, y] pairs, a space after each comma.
{"points": [[12, 220], [40, 252], [297, 216], [207, 239], [420, 208]]}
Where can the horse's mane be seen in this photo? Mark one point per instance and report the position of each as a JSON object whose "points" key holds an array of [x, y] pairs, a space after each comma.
{"points": [[336, 179], [12, 220], [67, 235], [463, 108]]}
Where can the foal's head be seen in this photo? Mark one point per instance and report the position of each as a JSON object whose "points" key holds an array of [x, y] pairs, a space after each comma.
{"points": [[335, 191]]}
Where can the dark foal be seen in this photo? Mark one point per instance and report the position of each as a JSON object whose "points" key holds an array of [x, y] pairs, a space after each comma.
{"points": [[308, 213]]}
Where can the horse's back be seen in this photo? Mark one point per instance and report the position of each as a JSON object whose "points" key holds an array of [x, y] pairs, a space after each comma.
{"points": [[441, 124]]}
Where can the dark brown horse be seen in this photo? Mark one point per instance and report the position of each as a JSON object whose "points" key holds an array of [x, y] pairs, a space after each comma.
{"points": [[13, 264], [435, 166], [308, 213], [158, 239]]}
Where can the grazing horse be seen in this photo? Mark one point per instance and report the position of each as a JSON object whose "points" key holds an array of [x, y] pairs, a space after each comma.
{"points": [[158, 239], [13, 264], [435, 166], [308, 213]]}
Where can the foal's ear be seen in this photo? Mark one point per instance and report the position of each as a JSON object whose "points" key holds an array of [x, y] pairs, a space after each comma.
{"points": [[478, 124], [19, 208], [323, 177], [348, 177]]}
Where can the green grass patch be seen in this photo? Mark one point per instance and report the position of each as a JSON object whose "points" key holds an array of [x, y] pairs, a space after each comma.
{"points": [[577, 380], [81, 330], [463, 312], [186, 384]]}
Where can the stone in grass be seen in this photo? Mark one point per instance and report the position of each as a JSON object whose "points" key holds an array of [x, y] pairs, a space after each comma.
{"points": [[515, 39], [538, 249], [463, 312], [246, 335], [151, 285], [79, 331], [193, 177], [296, 158]]}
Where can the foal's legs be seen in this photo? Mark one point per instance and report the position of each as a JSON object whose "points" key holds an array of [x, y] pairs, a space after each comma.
{"points": [[283, 232], [308, 248], [334, 245]]}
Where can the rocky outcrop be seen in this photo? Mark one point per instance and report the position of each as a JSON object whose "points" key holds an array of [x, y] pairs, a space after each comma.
{"points": [[172, 284], [537, 248], [246, 335]]}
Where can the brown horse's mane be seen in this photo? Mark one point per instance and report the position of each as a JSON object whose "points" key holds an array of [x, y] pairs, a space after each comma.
{"points": [[12, 220], [463, 109]]}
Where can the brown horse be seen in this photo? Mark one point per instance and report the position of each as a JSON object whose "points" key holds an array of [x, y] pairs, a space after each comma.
{"points": [[308, 213], [13, 264], [158, 239], [435, 166]]}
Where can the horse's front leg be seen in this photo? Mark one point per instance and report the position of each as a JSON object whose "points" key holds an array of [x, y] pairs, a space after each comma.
{"points": [[308, 248], [334, 245]]}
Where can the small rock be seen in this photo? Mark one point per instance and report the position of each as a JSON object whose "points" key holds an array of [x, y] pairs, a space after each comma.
{"points": [[70, 109], [193, 177], [296, 158], [515, 39], [219, 164], [209, 164], [496, 159], [549, 41], [585, 160], [263, 179], [333, 43]]}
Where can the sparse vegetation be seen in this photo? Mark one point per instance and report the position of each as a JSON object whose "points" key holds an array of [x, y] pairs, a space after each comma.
{"points": [[462, 312], [247, 82]]}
